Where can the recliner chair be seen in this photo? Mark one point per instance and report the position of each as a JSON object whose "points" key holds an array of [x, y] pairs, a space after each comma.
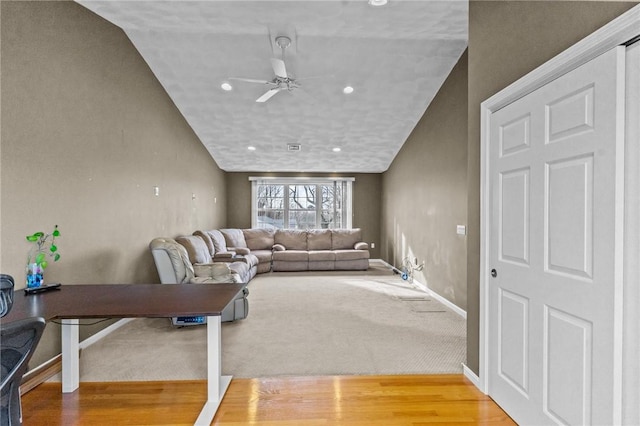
{"points": [[18, 340], [174, 267]]}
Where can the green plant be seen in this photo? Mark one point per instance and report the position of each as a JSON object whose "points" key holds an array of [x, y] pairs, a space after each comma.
{"points": [[38, 254]]}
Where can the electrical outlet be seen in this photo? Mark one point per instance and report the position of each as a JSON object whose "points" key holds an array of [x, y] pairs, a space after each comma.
{"points": [[373, 245]]}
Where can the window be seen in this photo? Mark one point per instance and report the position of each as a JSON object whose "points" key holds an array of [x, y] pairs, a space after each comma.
{"points": [[301, 203]]}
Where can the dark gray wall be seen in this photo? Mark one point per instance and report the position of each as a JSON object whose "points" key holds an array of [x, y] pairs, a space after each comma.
{"points": [[425, 193], [87, 132]]}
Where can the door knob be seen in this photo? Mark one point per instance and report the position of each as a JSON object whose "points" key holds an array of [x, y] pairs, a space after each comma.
{"points": [[494, 273]]}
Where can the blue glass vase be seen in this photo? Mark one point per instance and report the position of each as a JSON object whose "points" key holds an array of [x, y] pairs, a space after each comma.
{"points": [[35, 275]]}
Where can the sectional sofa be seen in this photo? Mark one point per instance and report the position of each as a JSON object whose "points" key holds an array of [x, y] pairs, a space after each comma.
{"points": [[248, 252], [237, 255]]}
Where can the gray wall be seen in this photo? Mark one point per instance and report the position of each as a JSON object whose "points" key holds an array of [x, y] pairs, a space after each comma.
{"points": [[87, 132], [508, 39], [366, 202], [425, 193]]}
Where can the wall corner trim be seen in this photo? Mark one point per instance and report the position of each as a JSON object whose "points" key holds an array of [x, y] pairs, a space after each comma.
{"points": [[469, 374]]}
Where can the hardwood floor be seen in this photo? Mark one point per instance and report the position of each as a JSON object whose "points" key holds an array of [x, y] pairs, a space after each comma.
{"points": [[340, 400]]}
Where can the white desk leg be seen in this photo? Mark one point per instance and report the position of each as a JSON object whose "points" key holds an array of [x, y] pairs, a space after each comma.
{"points": [[216, 383], [70, 355]]}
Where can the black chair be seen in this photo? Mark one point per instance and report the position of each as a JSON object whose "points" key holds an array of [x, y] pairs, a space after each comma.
{"points": [[18, 340], [6, 294]]}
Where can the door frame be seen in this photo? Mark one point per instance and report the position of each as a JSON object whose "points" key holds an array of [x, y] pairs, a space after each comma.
{"points": [[619, 31]]}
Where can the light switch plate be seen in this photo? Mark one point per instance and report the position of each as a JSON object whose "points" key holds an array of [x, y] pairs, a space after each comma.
{"points": [[461, 230]]}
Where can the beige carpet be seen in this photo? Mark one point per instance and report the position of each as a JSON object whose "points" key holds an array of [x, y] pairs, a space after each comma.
{"points": [[299, 324]]}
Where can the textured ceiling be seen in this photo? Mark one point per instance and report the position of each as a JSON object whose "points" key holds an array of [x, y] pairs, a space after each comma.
{"points": [[396, 57]]}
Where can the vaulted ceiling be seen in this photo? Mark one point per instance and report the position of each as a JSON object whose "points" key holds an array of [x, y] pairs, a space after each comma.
{"points": [[395, 57]]}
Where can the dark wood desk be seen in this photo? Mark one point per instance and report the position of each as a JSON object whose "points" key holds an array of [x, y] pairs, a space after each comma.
{"points": [[74, 302]]}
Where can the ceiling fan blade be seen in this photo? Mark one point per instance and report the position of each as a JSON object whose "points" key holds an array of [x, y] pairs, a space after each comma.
{"points": [[268, 95], [250, 80], [278, 67]]}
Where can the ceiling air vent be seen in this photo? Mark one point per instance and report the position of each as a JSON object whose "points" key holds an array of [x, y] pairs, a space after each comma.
{"points": [[293, 147]]}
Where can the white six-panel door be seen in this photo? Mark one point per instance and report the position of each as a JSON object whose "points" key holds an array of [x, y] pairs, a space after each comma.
{"points": [[556, 179]]}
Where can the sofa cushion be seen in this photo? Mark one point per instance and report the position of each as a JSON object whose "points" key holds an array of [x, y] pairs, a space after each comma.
{"points": [[259, 239], [264, 256], [207, 240], [218, 271], [319, 239], [239, 268], [292, 239], [321, 255], [351, 254], [234, 237], [345, 238], [291, 255], [179, 258], [218, 241], [196, 248]]}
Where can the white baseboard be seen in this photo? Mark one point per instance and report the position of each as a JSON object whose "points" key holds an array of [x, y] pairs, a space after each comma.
{"points": [[469, 374], [446, 302], [103, 333], [53, 366]]}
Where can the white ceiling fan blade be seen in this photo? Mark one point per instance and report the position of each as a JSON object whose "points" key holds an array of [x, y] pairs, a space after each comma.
{"points": [[250, 80], [278, 67], [268, 95]]}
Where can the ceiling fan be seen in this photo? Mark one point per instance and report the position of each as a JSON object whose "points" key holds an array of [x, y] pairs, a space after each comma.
{"points": [[282, 80]]}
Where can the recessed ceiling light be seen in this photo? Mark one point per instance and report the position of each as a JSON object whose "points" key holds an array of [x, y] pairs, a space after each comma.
{"points": [[251, 148], [337, 149], [378, 2], [347, 90], [226, 87]]}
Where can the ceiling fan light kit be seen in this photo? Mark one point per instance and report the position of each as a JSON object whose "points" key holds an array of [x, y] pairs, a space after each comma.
{"points": [[283, 42]]}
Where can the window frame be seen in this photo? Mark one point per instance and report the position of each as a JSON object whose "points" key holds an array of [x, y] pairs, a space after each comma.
{"points": [[347, 197]]}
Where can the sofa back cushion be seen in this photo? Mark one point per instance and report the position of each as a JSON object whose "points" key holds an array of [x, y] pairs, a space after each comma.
{"points": [[196, 248], [178, 257], [343, 239], [207, 240], [319, 239], [218, 241], [234, 237], [292, 239], [259, 239]]}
